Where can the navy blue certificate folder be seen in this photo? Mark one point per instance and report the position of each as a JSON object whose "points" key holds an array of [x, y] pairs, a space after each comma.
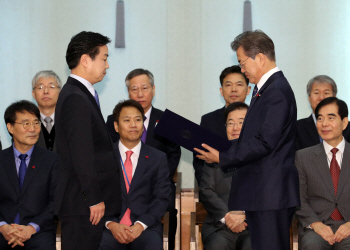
{"points": [[188, 134]]}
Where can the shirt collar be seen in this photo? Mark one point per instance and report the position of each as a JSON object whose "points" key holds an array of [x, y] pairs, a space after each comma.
{"points": [[85, 82], [148, 113], [17, 153], [123, 149], [266, 76], [314, 117], [42, 116], [340, 146]]}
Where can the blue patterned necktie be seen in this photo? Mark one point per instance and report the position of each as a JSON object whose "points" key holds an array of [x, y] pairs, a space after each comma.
{"points": [[97, 100], [21, 174], [255, 91], [144, 133]]}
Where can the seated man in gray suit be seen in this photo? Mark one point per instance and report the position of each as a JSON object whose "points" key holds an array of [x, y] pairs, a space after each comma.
{"points": [[217, 231], [324, 173], [46, 86]]}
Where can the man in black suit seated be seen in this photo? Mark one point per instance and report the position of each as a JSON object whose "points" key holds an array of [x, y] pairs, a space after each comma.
{"points": [[141, 88], [234, 88], [217, 230], [318, 88], [46, 86], [145, 186], [28, 176]]}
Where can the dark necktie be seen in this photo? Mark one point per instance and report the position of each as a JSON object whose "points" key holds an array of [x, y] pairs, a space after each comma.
{"points": [[335, 172], [144, 133], [21, 174], [255, 91], [96, 98], [48, 121]]}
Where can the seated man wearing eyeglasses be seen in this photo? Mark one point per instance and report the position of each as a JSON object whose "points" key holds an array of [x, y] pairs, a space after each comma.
{"points": [[28, 175], [46, 87], [218, 231]]}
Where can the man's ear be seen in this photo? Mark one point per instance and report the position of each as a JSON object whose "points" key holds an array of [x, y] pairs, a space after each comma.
{"points": [[116, 127], [84, 60], [10, 128]]}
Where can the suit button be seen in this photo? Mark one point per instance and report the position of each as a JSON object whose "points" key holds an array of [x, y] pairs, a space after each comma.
{"points": [[50, 140], [336, 204]]}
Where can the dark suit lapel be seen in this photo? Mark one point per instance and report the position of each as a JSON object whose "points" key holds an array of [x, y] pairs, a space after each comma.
{"points": [[320, 162], [10, 166], [151, 124], [310, 126], [142, 165], [345, 169], [260, 93], [87, 92], [34, 166], [117, 155]]}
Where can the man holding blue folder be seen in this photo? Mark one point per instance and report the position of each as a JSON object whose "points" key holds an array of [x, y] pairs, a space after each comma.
{"points": [[267, 188]]}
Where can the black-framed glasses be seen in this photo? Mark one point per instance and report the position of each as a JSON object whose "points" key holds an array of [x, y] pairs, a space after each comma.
{"points": [[26, 124]]}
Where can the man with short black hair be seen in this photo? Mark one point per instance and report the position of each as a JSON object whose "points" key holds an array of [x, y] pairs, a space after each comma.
{"points": [[89, 185], [46, 86], [324, 172], [28, 177], [234, 88], [145, 186], [141, 88]]}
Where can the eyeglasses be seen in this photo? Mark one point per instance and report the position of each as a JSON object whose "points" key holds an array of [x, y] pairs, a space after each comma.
{"points": [[49, 87], [232, 124], [26, 125], [144, 89], [241, 65]]}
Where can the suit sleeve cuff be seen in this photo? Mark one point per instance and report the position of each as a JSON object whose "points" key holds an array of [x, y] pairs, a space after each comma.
{"points": [[36, 226], [142, 224], [223, 221]]}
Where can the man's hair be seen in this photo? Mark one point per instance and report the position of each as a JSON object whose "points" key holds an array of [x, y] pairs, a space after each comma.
{"points": [[253, 43], [138, 72], [234, 106], [342, 107], [235, 69], [84, 43], [127, 103], [321, 79], [20, 107], [46, 74]]}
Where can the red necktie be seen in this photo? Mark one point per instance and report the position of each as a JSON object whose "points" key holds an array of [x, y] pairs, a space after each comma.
{"points": [[335, 172], [128, 169]]}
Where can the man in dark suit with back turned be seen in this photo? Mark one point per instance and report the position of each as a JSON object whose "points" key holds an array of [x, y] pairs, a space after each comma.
{"points": [[28, 177], [89, 183], [46, 86], [263, 156], [324, 172], [234, 88], [145, 186], [141, 88]]}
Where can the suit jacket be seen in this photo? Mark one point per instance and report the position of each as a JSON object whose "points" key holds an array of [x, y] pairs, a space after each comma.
{"points": [[172, 150], [149, 192], [318, 199], [214, 121], [214, 190], [41, 141], [89, 172], [307, 134], [34, 202], [263, 156]]}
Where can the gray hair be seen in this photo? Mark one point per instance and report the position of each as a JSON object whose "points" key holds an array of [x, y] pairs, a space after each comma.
{"points": [[138, 72], [46, 74], [321, 79], [255, 42]]}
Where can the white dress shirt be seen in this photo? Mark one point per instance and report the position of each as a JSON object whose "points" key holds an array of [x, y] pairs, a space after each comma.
{"points": [[85, 82], [147, 115], [266, 76], [338, 155], [42, 116]]}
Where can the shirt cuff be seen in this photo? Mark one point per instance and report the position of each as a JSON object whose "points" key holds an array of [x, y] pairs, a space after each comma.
{"points": [[36, 226], [107, 224], [3, 223], [142, 224], [223, 221]]}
